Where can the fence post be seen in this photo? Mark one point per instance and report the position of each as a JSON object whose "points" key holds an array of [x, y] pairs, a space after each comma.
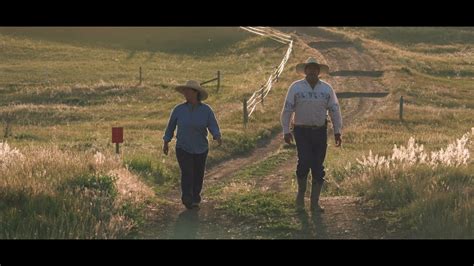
{"points": [[401, 108], [140, 75], [246, 116], [218, 80], [7, 131], [8, 120]]}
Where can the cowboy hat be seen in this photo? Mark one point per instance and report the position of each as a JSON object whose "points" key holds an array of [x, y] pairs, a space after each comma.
{"points": [[311, 60], [192, 84]]}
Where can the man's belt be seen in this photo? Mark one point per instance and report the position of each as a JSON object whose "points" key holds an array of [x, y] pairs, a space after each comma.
{"points": [[309, 126]]}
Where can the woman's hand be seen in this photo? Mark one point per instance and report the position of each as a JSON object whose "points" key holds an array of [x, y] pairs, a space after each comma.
{"points": [[165, 148], [219, 141], [338, 139]]}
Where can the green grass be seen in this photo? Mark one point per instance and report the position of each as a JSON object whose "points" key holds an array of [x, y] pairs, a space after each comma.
{"points": [[104, 184], [246, 176], [259, 214], [43, 216], [266, 166], [154, 172], [270, 214]]}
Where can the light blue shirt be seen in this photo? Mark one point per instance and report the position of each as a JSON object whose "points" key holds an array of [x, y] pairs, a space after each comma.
{"points": [[193, 124]]}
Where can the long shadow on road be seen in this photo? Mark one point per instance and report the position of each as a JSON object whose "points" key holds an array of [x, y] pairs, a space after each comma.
{"points": [[187, 225], [312, 226]]}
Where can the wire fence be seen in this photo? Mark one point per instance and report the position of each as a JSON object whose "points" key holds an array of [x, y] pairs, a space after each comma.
{"points": [[259, 95]]}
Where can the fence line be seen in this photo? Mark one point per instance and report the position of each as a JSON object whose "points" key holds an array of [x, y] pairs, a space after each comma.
{"points": [[262, 33], [218, 79], [259, 95], [267, 32]]}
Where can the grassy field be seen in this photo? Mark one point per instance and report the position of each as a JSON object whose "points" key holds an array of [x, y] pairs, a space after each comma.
{"points": [[68, 87], [74, 100], [62, 90]]}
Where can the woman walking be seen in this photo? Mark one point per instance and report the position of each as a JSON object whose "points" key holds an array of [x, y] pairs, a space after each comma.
{"points": [[193, 119]]}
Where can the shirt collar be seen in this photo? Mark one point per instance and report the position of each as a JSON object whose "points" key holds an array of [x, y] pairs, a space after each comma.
{"points": [[188, 104], [307, 83]]}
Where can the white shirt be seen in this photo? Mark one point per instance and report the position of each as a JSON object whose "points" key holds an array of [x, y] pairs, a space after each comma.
{"points": [[311, 106]]}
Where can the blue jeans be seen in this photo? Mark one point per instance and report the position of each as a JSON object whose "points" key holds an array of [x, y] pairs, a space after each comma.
{"points": [[192, 174], [311, 144]]}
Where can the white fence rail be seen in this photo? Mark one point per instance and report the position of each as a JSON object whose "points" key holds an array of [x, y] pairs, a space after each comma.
{"points": [[259, 95]]}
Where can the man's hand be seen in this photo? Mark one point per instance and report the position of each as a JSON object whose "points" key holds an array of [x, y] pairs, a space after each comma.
{"points": [[288, 138], [219, 141], [338, 140], [165, 148]]}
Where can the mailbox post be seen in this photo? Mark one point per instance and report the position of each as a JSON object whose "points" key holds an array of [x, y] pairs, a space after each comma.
{"points": [[117, 137]]}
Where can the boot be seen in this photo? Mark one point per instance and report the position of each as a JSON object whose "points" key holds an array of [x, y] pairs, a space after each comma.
{"points": [[301, 193], [315, 192]]}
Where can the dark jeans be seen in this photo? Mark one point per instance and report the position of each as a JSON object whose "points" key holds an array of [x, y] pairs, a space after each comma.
{"points": [[192, 174], [311, 145]]}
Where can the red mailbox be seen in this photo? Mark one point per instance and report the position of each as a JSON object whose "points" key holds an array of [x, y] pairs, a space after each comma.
{"points": [[117, 137], [117, 134]]}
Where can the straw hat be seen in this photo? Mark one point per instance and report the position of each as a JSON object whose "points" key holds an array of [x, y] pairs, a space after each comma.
{"points": [[195, 85], [311, 60]]}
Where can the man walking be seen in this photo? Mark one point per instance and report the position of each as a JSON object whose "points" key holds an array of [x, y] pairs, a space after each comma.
{"points": [[310, 99]]}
